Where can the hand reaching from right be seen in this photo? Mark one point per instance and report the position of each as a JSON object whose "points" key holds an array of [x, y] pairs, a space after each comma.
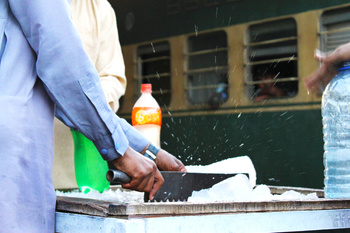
{"points": [[329, 68]]}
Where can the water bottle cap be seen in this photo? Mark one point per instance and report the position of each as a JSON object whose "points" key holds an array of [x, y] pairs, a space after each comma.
{"points": [[146, 87], [345, 66]]}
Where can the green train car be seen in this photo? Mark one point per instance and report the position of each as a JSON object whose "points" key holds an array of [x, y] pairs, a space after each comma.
{"points": [[206, 60]]}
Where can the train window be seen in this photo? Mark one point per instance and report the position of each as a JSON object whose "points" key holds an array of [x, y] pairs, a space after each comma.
{"points": [[207, 68], [271, 60], [153, 66], [335, 29]]}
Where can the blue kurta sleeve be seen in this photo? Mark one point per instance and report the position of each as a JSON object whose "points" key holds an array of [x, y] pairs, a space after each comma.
{"points": [[69, 77]]}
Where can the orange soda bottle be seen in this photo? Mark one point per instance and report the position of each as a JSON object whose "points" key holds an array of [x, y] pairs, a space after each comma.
{"points": [[147, 115]]}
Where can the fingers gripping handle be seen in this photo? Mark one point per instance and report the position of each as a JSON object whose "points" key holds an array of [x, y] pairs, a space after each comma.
{"points": [[118, 176]]}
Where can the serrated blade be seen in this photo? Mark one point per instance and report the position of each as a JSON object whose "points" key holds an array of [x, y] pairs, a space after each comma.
{"points": [[178, 186]]}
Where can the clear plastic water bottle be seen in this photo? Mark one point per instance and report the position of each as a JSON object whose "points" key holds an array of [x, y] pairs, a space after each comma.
{"points": [[336, 134], [147, 115], [90, 168]]}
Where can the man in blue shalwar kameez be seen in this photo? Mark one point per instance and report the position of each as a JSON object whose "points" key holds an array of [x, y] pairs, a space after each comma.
{"points": [[44, 71]]}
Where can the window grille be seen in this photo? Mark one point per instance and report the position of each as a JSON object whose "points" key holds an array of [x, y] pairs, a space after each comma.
{"points": [[207, 68], [335, 29], [271, 50], [153, 66]]}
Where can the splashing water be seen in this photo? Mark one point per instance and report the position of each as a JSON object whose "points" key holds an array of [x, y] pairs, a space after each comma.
{"points": [[196, 30], [283, 113], [153, 50], [291, 58]]}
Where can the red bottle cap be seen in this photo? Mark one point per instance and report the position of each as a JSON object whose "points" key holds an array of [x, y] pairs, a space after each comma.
{"points": [[146, 87]]}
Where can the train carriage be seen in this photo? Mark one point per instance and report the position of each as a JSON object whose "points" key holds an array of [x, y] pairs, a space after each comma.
{"points": [[207, 61]]}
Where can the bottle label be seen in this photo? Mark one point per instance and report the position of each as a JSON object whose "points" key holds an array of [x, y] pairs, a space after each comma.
{"points": [[144, 115]]}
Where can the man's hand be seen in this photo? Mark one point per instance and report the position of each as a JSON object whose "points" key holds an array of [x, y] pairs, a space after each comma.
{"points": [[329, 68], [145, 177], [168, 162]]}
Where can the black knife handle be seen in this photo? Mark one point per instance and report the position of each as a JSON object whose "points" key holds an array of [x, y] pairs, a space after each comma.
{"points": [[118, 176]]}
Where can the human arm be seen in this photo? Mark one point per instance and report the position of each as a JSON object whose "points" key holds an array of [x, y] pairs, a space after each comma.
{"points": [[168, 162], [328, 69], [67, 73], [96, 23], [269, 92], [142, 178], [165, 161], [110, 62], [262, 97], [69, 77]]}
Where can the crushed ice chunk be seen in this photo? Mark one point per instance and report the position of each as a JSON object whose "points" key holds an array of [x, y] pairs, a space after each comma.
{"points": [[238, 189], [117, 195]]}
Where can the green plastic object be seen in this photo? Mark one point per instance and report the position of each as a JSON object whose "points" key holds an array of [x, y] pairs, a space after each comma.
{"points": [[90, 168]]}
